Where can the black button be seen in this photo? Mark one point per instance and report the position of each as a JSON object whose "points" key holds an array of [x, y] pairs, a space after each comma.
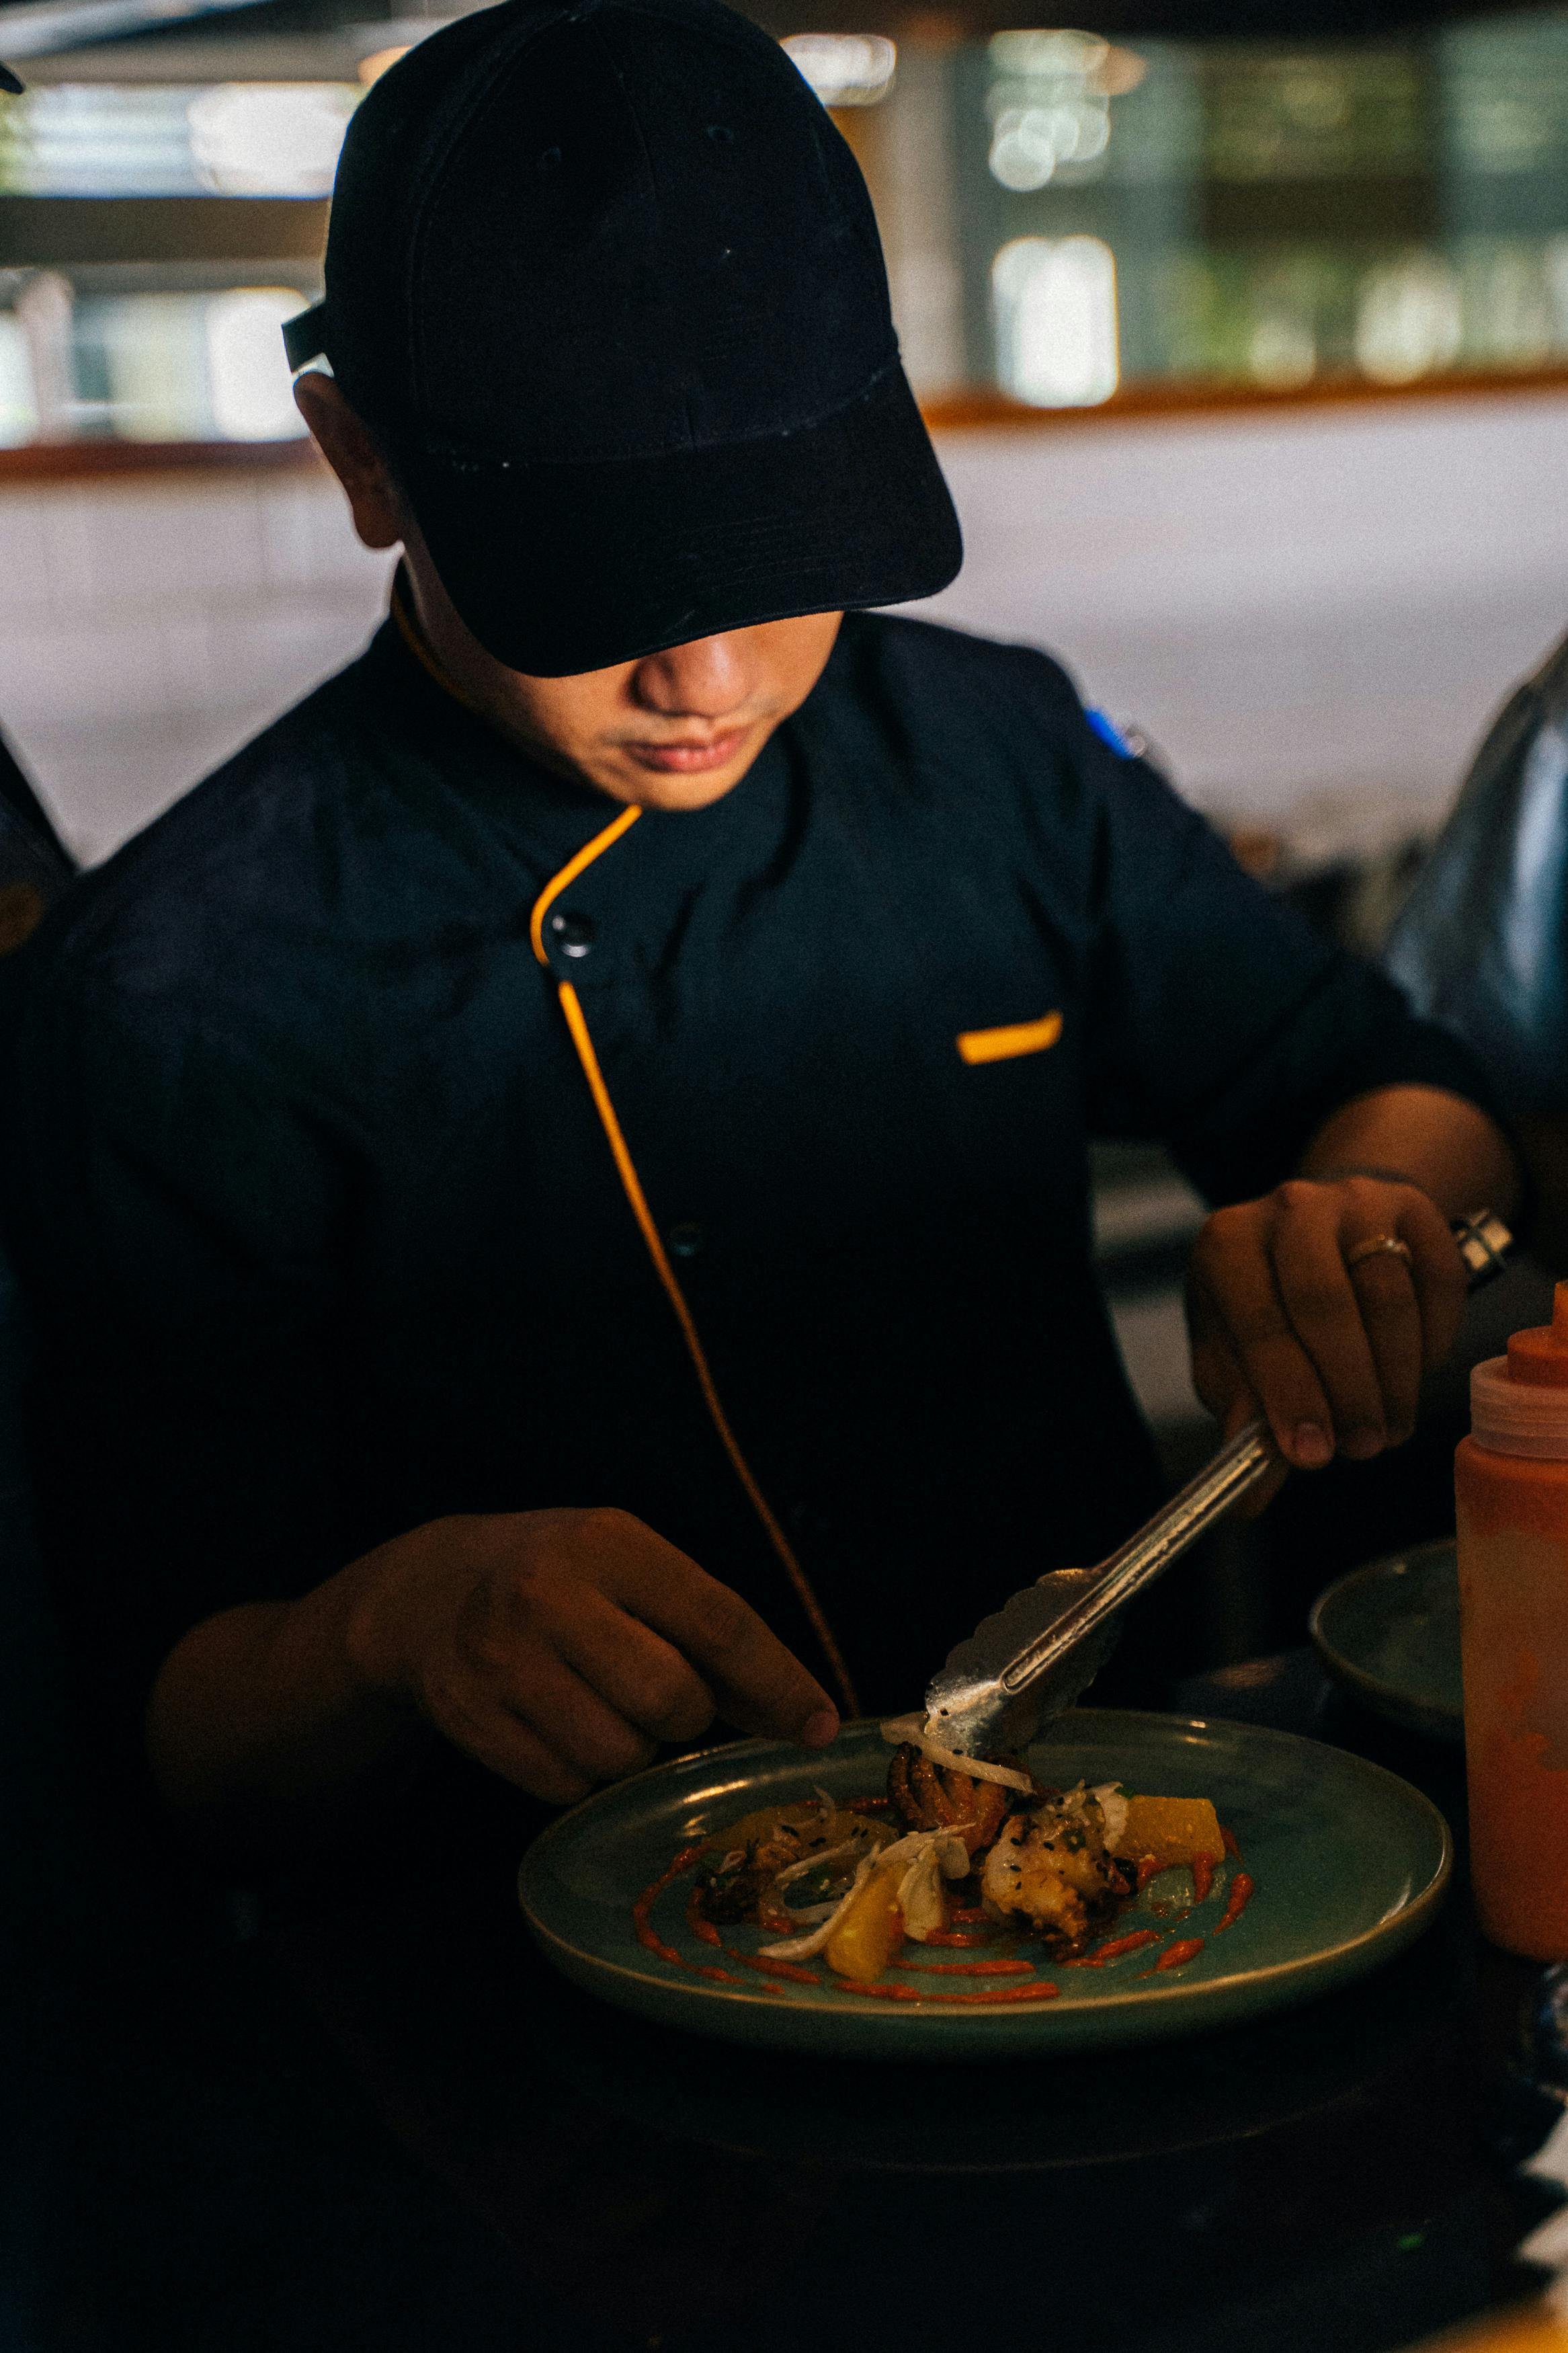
{"points": [[573, 934], [685, 1241]]}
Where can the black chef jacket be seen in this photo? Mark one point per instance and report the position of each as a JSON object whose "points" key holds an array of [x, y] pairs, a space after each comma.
{"points": [[323, 1238]]}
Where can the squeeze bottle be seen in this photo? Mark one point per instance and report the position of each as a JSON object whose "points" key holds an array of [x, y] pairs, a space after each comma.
{"points": [[1512, 1482]]}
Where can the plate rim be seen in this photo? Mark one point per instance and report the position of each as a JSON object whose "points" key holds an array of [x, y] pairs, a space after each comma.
{"points": [[727, 1999], [1376, 1688]]}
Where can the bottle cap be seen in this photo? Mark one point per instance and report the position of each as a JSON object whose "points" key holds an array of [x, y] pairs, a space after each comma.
{"points": [[1519, 1403]]}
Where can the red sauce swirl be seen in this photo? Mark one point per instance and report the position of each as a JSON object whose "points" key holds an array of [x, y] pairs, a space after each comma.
{"points": [[971, 1968], [1185, 1950], [642, 1909], [1039, 1991], [1241, 1889], [701, 1928], [769, 1968], [1114, 1950]]}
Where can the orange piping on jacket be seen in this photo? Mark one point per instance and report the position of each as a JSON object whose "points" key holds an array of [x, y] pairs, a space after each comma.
{"points": [[631, 1184]]}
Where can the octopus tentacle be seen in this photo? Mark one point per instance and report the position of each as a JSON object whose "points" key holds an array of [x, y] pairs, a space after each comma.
{"points": [[925, 1788], [903, 1798]]}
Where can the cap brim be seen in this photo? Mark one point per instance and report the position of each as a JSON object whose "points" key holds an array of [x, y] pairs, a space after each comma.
{"points": [[563, 569]]}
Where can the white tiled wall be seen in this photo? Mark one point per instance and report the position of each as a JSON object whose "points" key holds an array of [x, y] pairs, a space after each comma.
{"points": [[1309, 605], [1305, 604], [148, 626]]}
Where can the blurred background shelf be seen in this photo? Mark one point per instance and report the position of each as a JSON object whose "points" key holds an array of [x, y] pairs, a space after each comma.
{"points": [[1072, 219]]}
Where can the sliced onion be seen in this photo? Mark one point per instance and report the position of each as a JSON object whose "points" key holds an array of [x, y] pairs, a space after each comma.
{"points": [[1113, 1806], [815, 1862], [929, 1857], [801, 1949], [923, 1853], [951, 1853], [912, 1729], [919, 1898]]}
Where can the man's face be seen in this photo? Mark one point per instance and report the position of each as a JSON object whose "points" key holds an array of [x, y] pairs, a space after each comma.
{"points": [[674, 730]]}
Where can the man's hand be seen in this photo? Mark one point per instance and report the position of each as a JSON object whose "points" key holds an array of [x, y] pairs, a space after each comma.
{"points": [[1332, 1354], [561, 1648]]}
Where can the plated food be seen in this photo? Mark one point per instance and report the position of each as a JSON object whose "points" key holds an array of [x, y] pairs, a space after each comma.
{"points": [[955, 1856], [1350, 1864]]}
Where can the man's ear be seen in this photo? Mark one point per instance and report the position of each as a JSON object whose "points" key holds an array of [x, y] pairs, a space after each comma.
{"points": [[349, 450]]}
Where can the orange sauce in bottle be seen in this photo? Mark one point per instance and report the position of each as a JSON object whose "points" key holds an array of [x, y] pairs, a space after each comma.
{"points": [[1511, 1485]]}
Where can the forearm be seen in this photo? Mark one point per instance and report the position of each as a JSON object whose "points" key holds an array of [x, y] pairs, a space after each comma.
{"points": [[264, 1732], [1440, 1142]]}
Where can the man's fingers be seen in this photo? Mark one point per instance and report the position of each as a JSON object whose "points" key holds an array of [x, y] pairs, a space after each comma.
{"points": [[1217, 1378], [636, 1672], [505, 1746], [761, 1685], [545, 1693], [1390, 1312], [1439, 1275], [1334, 1352], [1236, 1290], [1319, 1297]]}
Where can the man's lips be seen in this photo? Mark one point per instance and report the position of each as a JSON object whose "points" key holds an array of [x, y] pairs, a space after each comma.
{"points": [[689, 759]]}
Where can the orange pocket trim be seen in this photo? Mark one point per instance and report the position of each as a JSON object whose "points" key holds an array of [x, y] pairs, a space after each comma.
{"points": [[1006, 1045]]}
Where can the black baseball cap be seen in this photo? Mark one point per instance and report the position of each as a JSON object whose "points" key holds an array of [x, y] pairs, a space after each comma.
{"points": [[605, 281]]}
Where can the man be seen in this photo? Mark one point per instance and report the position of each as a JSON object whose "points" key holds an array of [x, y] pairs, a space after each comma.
{"points": [[555, 1184]]}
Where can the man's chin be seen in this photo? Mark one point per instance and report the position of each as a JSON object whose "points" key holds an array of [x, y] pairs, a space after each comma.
{"points": [[654, 789]]}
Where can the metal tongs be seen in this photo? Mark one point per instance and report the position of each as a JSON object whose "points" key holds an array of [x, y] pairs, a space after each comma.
{"points": [[1040, 1652]]}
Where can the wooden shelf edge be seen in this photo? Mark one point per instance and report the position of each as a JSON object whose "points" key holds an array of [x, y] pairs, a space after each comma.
{"points": [[978, 411], [75, 461], [982, 410]]}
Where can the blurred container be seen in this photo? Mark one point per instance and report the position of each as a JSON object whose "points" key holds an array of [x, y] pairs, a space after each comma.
{"points": [[1511, 1482], [1482, 942]]}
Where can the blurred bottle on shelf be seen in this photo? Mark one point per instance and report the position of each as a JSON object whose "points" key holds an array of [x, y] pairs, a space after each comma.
{"points": [[1512, 1484]]}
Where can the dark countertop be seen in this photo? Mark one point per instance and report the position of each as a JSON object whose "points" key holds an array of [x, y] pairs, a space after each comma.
{"points": [[384, 2122]]}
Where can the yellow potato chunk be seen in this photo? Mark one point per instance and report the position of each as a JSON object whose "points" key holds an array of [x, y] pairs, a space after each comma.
{"points": [[1173, 1829], [872, 1928]]}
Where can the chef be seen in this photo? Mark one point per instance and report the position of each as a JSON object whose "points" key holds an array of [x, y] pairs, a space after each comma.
{"points": [[553, 1190]]}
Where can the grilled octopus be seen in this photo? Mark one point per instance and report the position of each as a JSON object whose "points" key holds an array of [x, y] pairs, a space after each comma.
{"points": [[927, 1796], [1042, 1861]]}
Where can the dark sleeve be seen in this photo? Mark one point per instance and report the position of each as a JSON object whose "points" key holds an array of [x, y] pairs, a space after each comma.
{"points": [[169, 1219], [1219, 1022]]}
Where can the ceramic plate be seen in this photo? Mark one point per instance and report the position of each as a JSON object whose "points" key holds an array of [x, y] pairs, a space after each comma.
{"points": [[1350, 1864], [1390, 1633]]}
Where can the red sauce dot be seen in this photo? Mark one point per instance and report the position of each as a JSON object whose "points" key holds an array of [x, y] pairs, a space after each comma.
{"points": [[1241, 1893], [1180, 1954]]}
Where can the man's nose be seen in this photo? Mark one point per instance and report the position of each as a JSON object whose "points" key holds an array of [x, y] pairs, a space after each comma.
{"points": [[708, 678]]}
